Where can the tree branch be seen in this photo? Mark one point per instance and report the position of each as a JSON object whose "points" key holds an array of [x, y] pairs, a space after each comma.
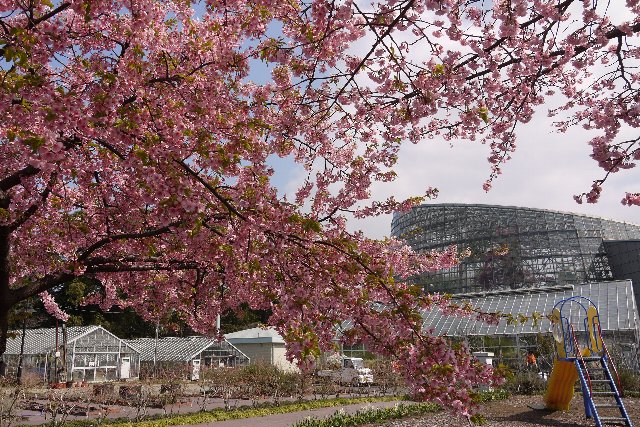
{"points": [[16, 177], [212, 189], [126, 268], [110, 147], [34, 22], [45, 283], [33, 208], [125, 236], [391, 26], [612, 34]]}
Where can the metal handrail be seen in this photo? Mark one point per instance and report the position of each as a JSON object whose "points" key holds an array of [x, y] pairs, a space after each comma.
{"points": [[579, 356], [613, 365]]}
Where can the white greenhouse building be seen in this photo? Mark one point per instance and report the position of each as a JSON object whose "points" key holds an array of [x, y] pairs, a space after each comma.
{"points": [[71, 354], [510, 342], [188, 353]]}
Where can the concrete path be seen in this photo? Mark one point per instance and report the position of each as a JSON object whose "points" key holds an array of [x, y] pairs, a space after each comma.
{"points": [[286, 420]]}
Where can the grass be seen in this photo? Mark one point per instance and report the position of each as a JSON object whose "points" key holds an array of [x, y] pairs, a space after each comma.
{"points": [[223, 415], [377, 415], [340, 419], [370, 415], [491, 395]]}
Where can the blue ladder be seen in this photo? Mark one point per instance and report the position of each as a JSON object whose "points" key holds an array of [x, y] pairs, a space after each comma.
{"points": [[595, 409]]}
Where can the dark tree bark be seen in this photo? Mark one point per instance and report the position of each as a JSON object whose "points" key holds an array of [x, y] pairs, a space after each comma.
{"points": [[6, 299]]}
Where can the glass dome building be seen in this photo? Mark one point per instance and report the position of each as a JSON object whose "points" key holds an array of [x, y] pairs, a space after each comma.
{"points": [[515, 247]]}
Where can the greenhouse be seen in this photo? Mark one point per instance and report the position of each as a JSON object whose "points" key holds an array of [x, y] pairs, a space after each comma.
{"points": [[511, 342], [76, 354], [188, 354], [517, 247]]}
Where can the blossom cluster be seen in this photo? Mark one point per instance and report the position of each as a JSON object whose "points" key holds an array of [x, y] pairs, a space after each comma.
{"points": [[138, 142]]}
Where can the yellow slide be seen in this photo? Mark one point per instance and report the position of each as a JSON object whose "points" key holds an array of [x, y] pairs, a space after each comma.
{"points": [[563, 375], [560, 386]]}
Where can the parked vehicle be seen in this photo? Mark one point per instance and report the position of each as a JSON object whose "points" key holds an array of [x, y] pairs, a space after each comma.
{"points": [[352, 371]]}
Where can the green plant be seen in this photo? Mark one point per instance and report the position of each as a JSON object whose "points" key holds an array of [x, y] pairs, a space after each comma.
{"points": [[504, 371], [369, 416], [525, 383], [491, 395], [161, 420], [630, 380], [545, 350], [478, 419]]}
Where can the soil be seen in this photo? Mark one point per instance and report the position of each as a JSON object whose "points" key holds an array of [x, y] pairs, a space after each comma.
{"points": [[519, 411]]}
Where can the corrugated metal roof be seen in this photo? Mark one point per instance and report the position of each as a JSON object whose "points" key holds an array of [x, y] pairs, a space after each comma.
{"points": [[177, 349], [614, 300], [255, 335], [43, 340]]}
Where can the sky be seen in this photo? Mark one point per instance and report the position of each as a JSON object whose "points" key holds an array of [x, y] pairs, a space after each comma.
{"points": [[546, 171]]}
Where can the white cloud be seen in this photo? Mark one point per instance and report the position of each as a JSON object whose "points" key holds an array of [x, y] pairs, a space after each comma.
{"points": [[547, 169]]}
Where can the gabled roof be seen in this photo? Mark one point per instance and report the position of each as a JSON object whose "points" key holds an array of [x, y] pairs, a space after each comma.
{"points": [[176, 349], [43, 340], [255, 336], [614, 300]]}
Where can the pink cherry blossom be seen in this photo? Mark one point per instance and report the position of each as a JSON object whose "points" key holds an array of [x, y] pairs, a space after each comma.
{"points": [[139, 138]]}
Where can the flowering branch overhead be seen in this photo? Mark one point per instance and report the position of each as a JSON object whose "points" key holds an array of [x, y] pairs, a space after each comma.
{"points": [[138, 140]]}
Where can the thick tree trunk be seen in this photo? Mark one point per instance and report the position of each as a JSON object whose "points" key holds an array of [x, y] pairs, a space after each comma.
{"points": [[6, 299], [6, 302], [4, 328]]}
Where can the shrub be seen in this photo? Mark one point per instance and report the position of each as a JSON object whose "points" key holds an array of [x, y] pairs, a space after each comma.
{"points": [[525, 383], [104, 391], [385, 376], [11, 394], [629, 380], [491, 395], [369, 416], [504, 371]]}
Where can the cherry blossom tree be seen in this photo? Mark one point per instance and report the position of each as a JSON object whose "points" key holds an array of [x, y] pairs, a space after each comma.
{"points": [[138, 136]]}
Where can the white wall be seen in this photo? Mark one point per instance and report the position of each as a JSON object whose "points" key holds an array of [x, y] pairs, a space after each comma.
{"points": [[280, 358], [271, 353]]}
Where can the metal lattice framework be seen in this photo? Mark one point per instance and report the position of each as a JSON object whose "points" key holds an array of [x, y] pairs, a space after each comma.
{"points": [[80, 353], [510, 342], [613, 299], [511, 247], [177, 350]]}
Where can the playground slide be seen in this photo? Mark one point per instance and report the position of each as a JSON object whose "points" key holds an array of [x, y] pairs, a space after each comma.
{"points": [[560, 386]]}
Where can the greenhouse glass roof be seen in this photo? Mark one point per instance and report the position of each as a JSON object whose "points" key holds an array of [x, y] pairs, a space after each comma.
{"points": [[176, 349], [614, 300], [43, 340]]}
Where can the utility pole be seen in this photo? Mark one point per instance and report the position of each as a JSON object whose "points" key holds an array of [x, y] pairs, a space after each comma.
{"points": [[155, 348], [56, 376], [64, 352], [24, 331], [26, 313]]}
